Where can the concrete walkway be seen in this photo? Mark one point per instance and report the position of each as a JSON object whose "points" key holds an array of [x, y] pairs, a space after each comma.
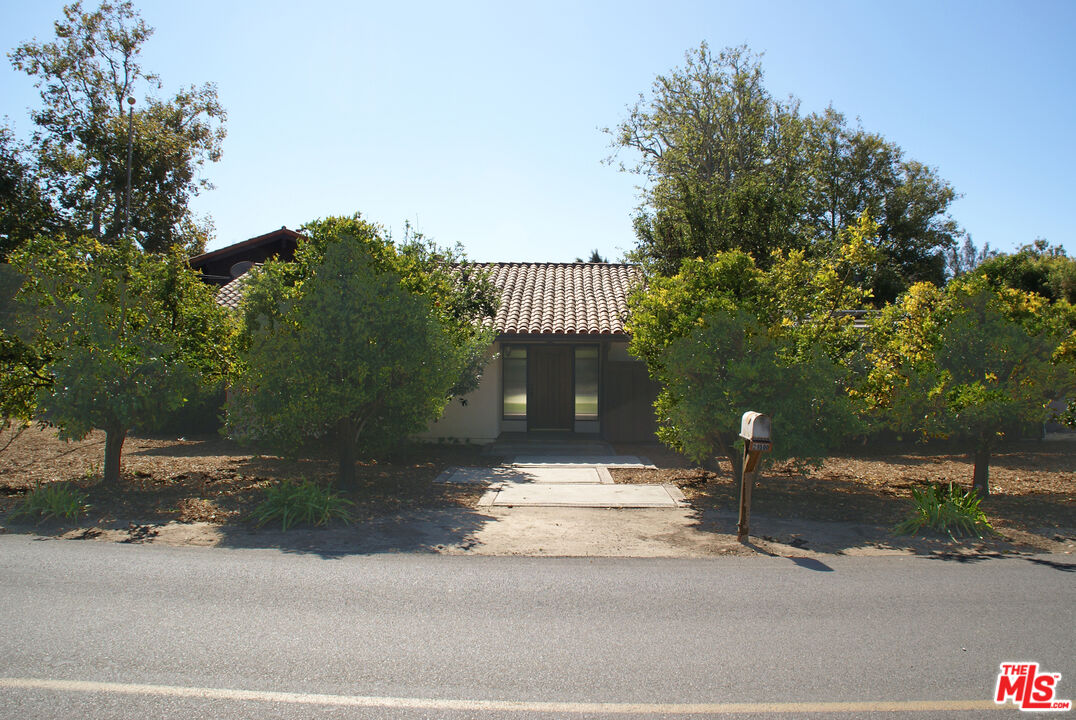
{"points": [[564, 481]]}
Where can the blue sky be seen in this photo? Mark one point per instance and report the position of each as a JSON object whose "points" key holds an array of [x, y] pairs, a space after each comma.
{"points": [[480, 122]]}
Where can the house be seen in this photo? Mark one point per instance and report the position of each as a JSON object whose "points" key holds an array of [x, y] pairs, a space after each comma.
{"points": [[559, 362], [220, 267]]}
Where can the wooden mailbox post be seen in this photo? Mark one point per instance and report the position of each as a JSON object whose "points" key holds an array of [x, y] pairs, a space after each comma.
{"points": [[755, 431]]}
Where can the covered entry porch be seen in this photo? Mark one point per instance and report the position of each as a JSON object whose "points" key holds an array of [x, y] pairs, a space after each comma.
{"points": [[575, 387]]}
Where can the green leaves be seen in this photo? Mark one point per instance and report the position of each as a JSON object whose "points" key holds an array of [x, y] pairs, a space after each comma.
{"points": [[358, 339], [945, 509], [125, 336], [729, 167], [85, 76], [303, 503], [60, 500], [723, 336]]}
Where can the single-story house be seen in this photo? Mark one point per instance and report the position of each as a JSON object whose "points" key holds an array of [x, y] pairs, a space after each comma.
{"points": [[559, 362]]}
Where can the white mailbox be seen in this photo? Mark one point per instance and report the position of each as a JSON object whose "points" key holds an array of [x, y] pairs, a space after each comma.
{"points": [[755, 429]]}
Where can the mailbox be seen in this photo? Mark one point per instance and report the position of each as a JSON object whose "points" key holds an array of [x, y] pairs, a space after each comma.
{"points": [[755, 429]]}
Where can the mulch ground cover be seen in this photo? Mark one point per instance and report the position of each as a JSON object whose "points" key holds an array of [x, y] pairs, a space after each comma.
{"points": [[1033, 484], [214, 480]]}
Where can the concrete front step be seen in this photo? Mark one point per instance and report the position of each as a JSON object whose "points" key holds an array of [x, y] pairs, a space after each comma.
{"points": [[575, 475], [583, 495], [619, 461]]}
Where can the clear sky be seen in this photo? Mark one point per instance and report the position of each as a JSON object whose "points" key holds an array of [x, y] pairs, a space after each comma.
{"points": [[480, 122]]}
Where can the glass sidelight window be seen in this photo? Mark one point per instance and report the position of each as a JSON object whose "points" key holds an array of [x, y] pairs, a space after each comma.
{"points": [[515, 381], [586, 382]]}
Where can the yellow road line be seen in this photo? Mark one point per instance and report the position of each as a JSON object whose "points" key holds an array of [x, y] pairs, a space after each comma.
{"points": [[587, 708]]}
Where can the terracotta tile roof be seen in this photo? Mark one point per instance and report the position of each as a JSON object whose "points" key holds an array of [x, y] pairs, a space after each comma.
{"points": [[232, 292], [562, 298], [543, 298]]}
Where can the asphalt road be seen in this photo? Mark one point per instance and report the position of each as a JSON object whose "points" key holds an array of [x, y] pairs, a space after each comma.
{"points": [[101, 630]]}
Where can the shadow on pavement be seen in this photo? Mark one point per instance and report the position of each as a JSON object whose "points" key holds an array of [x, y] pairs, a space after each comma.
{"points": [[435, 530]]}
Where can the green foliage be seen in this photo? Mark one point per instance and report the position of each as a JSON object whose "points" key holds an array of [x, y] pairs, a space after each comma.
{"points": [[24, 210], [60, 500], [129, 336], [732, 364], [967, 362], [85, 76], [729, 167], [945, 509], [22, 361], [595, 257], [1036, 268], [358, 340], [301, 503], [723, 336]]}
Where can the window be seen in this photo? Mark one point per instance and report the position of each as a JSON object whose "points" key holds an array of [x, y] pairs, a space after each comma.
{"points": [[586, 382], [515, 381]]}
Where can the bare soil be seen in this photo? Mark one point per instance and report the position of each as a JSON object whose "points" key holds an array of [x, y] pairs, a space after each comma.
{"points": [[213, 480], [1032, 502], [201, 491]]}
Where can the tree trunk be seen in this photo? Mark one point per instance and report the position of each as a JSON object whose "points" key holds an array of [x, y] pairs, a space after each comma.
{"points": [[345, 440], [113, 448], [981, 476]]}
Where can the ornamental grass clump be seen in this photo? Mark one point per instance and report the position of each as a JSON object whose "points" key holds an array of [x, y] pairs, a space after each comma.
{"points": [[305, 502], [52, 500], [946, 509]]}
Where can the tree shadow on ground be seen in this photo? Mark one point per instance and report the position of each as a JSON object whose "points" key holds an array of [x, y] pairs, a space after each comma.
{"points": [[430, 530], [836, 515]]}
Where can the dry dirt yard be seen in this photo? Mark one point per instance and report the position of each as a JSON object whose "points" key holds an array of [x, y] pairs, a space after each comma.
{"points": [[201, 491]]}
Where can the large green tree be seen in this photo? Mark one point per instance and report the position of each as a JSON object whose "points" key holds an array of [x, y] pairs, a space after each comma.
{"points": [[359, 341], [721, 158], [968, 362], [85, 75], [724, 336], [127, 336], [728, 166]]}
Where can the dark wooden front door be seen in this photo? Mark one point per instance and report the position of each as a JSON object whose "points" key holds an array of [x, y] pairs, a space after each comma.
{"points": [[549, 395]]}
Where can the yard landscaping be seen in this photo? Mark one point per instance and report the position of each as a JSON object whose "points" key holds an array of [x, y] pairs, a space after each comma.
{"points": [[200, 488]]}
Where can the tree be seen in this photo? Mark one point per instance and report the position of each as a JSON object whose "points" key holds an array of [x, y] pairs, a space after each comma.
{"points": [[85, 76], [850, 171], [728, 166], [1036, 268], [24, 211], [720, 156], [22, 362], [723, 336], [967, 362], [595, 257], [968, 257], [128, 336], [358, 340]]}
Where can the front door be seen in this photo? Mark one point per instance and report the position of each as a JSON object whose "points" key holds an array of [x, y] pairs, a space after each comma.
{"points": [[549, 394]]}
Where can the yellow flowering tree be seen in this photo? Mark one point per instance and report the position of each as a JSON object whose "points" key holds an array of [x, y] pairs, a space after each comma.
{"points": [[968, 362], [723, 336]]}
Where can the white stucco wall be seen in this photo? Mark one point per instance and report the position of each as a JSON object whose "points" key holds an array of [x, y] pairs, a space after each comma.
{"points": [[477, 421]]}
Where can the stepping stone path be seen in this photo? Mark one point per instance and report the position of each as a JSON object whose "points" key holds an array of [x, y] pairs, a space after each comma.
{"points": [[564, 481]]}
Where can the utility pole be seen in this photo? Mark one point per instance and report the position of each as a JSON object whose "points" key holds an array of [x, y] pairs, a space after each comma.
{"points": [[130, 155]]}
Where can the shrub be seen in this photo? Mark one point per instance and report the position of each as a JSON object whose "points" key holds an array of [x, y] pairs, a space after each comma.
{"points": [[53, 500], [948, 509], [304, 502]]}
